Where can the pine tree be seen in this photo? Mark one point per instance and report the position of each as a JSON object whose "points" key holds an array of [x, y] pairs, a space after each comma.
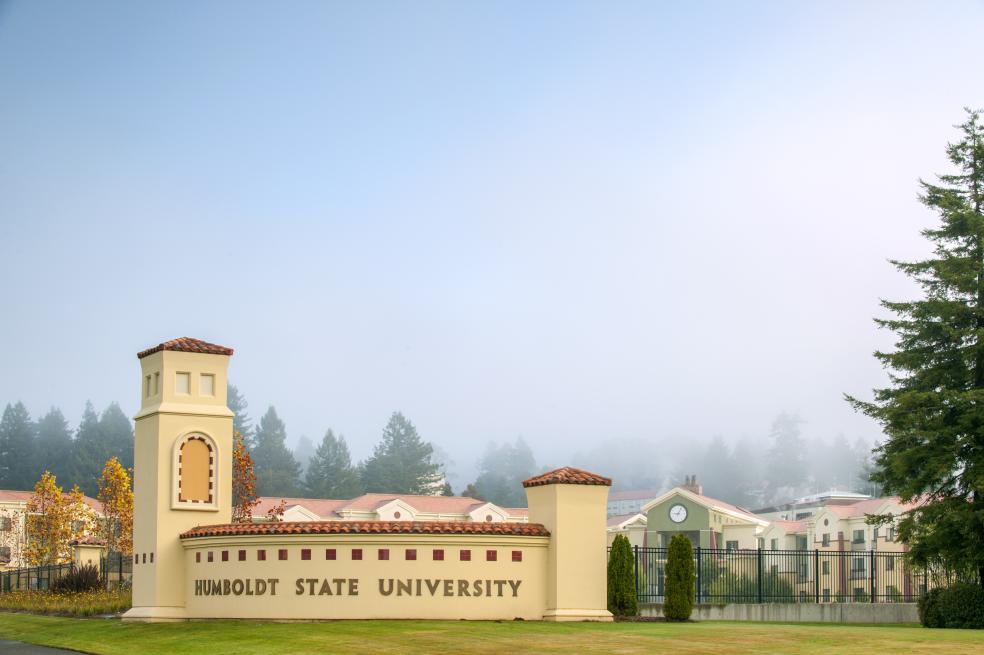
{"points": [[277, 472], [786, 459], [241, 422], [116, 431], [54, 445], [401, 463], [330, 473], [501, 473], [17, 453], [303, 452], [933, 411], [88, 451]]}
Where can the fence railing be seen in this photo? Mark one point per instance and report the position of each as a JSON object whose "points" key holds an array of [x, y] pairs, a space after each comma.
{"points": [[789, 576], [115, 569]]}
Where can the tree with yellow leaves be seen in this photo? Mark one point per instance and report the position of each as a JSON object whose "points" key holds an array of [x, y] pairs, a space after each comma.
{"points": [[243, 481], [116, 496], [49, 527]]}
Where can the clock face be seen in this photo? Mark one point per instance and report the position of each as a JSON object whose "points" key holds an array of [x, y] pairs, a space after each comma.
{"points": [[678, 513]]}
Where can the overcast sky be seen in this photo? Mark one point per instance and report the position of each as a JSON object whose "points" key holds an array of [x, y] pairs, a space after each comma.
{"points": [[565, 221]]}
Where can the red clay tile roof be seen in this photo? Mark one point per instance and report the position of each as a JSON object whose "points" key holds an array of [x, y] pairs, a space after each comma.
{"points": [[187, 345], [10, 496], [567, 475], [369, 527], [88, 541]]}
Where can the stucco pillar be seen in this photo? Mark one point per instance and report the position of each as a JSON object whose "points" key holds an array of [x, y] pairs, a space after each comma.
{"points": [[182, 473], [571, 504]]}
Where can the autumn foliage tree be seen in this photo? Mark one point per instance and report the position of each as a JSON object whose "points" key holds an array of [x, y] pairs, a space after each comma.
{"points": [[54, 519], [116, 496], [243, 481]]}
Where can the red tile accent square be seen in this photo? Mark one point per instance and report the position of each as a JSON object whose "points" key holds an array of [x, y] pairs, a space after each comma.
{"points": [[411, 553], [438, 555], [198, 558], [305, 553], [464, 555], [261, 555], [329, 553], [517, 556], [225, 555], [384, 553], [282, 554], [490, 555], [356, 553], [145, 557], [210, 556], [242, 556]]}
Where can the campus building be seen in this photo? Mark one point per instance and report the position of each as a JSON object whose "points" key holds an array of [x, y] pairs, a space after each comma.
{"points": [[13, 526], [630, 501], [391, 507]]}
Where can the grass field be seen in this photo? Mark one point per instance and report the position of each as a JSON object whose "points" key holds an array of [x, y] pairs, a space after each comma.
{"points": [[113, 636]]}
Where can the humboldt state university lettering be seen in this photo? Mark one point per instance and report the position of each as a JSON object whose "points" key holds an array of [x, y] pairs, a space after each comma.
{"points": [[446, 587], [237, 587]]}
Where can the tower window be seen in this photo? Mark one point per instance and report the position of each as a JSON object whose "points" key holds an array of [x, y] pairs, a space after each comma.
{"points": [[182, 383], [157, 383], [206, 385], [147, 387]]}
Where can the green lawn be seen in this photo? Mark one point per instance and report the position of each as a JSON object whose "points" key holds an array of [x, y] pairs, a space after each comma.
{"points": [[212, 637]]}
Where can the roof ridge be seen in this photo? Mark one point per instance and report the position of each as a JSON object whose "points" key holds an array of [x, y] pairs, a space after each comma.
{"points": [[567, 475]]}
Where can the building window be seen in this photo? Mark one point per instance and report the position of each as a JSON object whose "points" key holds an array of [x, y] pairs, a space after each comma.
{"points": [[438, 555], [384, 553], [329, 553], [147, 387], [357, 553], [826, 567], [305, 553], [5, 524], [182, 383], [396, 515], [206, 384], [282, 554], [858, 537], [491, 555], [465, 555], [5, 554], [826, 595], [859, 594], [774, 544], [517, 556], [731, 545], [151, 558], [874, 537], [157, 383], [826, 539], [890, 533], [889, 563], [411, 553], [198, 558]]}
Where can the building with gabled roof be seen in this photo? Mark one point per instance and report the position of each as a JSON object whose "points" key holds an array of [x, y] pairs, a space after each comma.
{"points": [[392, 507]]}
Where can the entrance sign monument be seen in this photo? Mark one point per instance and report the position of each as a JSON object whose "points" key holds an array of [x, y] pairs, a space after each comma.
{"points": [[191, 562]]}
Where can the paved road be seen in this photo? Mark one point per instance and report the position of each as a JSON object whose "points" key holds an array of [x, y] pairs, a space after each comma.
{"points": [[18, 648]]}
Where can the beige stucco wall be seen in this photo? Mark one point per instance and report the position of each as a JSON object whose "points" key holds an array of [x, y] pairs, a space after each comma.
{"points": [[448, 589]]}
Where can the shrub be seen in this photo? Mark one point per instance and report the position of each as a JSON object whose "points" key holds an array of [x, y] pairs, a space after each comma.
{"points": [[622, 599], [79, 580], [962, 606], [679, 580]]}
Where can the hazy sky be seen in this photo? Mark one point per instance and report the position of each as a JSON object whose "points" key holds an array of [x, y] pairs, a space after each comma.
{"points": [[563, 221]]}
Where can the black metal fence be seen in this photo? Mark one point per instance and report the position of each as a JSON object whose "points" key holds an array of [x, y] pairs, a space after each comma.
{"points": [[789, 576], [115, 569]]}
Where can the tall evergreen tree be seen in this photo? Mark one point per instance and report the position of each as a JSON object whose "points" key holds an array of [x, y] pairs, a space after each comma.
{"points": [[117, 436], [17, 453], [54, 445], [303, 452], [88, 453], [932, 412], [277, 472], [501, 473], [330, 473], [786, 459], [401, 463], [241, 422]]}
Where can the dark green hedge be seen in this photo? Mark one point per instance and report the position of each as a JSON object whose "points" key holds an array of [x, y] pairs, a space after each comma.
{"points": [[622, 599], [680, 580], [959, 606]]}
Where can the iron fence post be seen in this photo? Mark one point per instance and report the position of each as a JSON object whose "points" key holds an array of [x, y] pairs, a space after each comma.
{"points": [[759, 558], [699, 558], [816, 575], [635, 559], [872, 575]]}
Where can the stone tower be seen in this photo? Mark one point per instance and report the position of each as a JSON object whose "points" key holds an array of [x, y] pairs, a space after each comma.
{"points": [[182, 466]]}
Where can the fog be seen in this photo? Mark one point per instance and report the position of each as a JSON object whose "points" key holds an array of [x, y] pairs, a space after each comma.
{"points": [[576, 224]]}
